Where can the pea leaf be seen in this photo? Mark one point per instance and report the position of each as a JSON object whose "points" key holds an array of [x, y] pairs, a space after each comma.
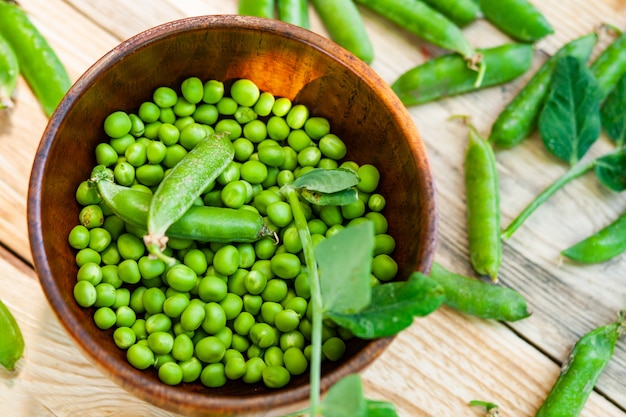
{"points": [[339, 198], [380, 409], [611, 170], [345, 279], [326, 180], [569, 122], [393, 307], [612, 113], [345, 398]]}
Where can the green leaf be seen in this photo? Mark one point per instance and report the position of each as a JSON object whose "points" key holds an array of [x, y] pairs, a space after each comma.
{"points": [[339, 198], [345, 398], [380, 409], [344, 263], [393, 307], [326, 180], [612, 113], [569, 122], [611, 170]]}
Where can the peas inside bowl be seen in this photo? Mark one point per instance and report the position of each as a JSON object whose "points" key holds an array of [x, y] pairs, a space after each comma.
{"points": [[283, 60]]}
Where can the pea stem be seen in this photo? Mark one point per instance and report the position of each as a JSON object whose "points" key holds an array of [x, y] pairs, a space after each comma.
{"points": [[573, 173], [316, 297]]}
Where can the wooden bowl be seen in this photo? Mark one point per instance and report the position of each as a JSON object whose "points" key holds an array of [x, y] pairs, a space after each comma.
{"points": [[283, 59]]}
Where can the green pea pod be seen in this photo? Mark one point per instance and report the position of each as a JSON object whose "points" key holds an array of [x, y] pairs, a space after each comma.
{"points": [[601, 246], [483, 206], [461, 12], [345, 25], [610, 65], [295, 12], [423, 21], [517, 18], [199, 223], [12, 341], [581, 370], [39, 64], [449, 75], [258, 8], [9, 73], [519, 118], [478, 298], [184, 183]]}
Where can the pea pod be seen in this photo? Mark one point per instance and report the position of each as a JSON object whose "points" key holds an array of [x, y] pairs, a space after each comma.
{"points": [[519, 118], [581, 370], [295, 12], [517, 18], [184, 183], [423, 21], [602, 245], [199, 223], [12, 341], [480, 299], [483, 206], [449, 75], [461, 12], [39, 64], [9, 73], [610, 65], [344, 24], [258, 8]]}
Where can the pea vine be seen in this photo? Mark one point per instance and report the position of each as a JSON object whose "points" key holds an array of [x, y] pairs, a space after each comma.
{"points": [[339, 275]]}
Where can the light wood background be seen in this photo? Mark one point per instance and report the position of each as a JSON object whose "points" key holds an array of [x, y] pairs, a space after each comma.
{"points": [[444, 360]]}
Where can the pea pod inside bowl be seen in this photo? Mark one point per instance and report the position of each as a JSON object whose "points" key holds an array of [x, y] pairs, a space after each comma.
{"points": [[288, 62]]}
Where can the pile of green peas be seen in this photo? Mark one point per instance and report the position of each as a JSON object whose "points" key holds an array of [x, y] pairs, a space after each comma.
{"points": [[224, 311]]}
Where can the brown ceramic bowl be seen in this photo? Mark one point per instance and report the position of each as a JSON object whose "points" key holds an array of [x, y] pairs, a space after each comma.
{"points": [[285, 60]]}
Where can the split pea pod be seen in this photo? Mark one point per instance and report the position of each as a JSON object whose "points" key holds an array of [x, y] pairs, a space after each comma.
{"points": [[517, 18], [423, 21], [9, 73], [345, 26], [483, 206], [601, 246], [449, 75], [295, 12], [39, 64], [478, 298], [519, 118], [199, 223], [11, 340], [461, 12], [258, 8], [581, 370], [184, 183], [610, 65]]}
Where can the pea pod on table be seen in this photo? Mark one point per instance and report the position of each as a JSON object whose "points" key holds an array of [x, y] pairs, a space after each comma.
{"points": [[601, 246], [9, 73], [12, 341], [38, 62], [258, 8], [199, 223], [184, 183], [295, 12], [483, 206], [519, 19], [519, 118], [610, 65], [461, 12], [584, 365], [449, 75]]}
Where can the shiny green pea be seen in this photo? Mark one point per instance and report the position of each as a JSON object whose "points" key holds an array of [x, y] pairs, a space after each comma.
{"points": [[91, 216], [164, 97], [309, 156], [183, 108], [232, 305], [245, 92], [120, 144], [252, 303], [317, 127], [85, 293], [210, 349], [153, 299], [376, 202], [275, 376], [124, 316], [334, 348], [265, 103], [295, 361], [104, 318], [124, 337], [384, 243], [91, 272], [170, 373], [117, 124], [370, 178], [285, 265], [235, 368], [105, 294], [193, 316], [87, 255], [86, 194], [148, 112], [140, 356], [130, 246], [269, 310], [384, 267], [265, 248], [158, 322], [333, 147], [175, 305], [275, 290], [181, 277], [105, 154], [78, 237], [214, 319], [160, 342], [262, 335]]}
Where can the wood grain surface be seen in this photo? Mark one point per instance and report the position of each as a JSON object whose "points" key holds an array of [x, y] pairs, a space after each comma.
{"points": [[444, 360]]}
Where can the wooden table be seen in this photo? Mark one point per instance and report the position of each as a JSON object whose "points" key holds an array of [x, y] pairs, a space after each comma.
{"points": [[441, 362]]}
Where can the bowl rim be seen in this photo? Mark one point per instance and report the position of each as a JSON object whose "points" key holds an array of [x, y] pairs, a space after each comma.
{"points": [[127, 378]]}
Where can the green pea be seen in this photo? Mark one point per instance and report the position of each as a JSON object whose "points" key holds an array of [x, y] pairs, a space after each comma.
{"points": [[232, 305], [254, 172], [295, 361], [262, 335], [87, 255], [297, 116], [245, 92], [191, 368], [168, 134], [227, 106], [148, 112], [174, 154], [78, 237], [140, 356], [370, 177], [153, 299], [125, 316], [170, 373], [277, 128], [244, 148], [333, 348], [152, 129], [273, 156], [167, 115], [191, 135], [265, 248], [210, 349], [105, 294], [265, 103], [158, 322], [291, 240], [117, 124], [139, 328], [279, 213], [120, 144], [90, 271], [275, 376], [275, 290], [137, 128], [302, 286], [287, 320], [317, 226], [234, 194], [332, 147], [110, 275], [124, 337], [214, 319], [181, 277], [292, 339], [175, 305], [213, 375], [317, 127], [136, 154], [91, 216], [255, 282], [193, 316], [235, 368], [164, 97], [226, 260], [243, 322], [281, 106], [124, 173], [384, 267], [309, 156], [232, 172], [384, 243], [160, 343], [104, 318], [331, 215], [86, 194], [105, 154], [269, 310], [252, 303], [85, 293], [273, 355], [213, 91], [376, 202], [99, 239], [285, 265], [130, 246]]}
